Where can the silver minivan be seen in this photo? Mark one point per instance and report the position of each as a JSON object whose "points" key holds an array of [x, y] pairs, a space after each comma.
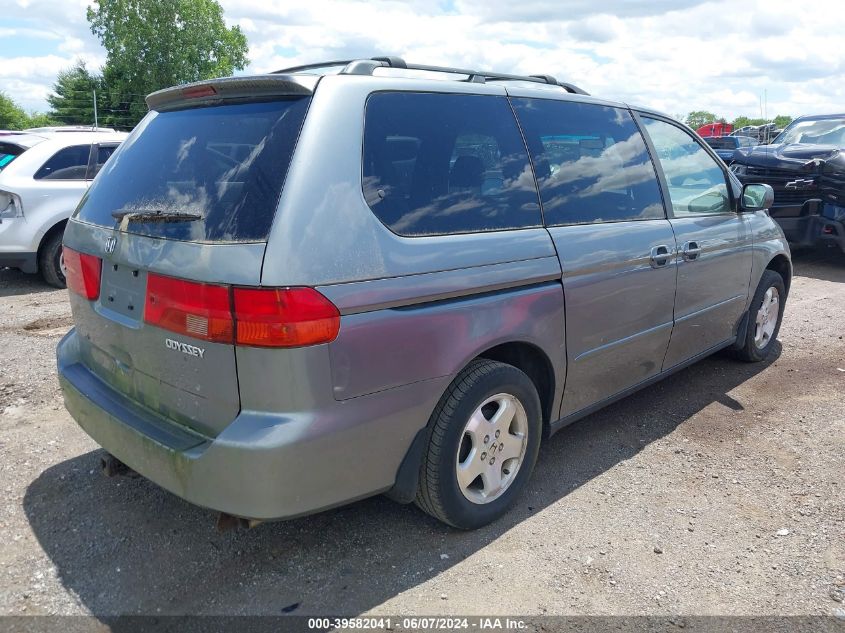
{"points": [[296, 290]]}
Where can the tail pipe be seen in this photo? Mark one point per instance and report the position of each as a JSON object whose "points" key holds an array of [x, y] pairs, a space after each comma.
{"points": [[227, 522], [113, 467]]}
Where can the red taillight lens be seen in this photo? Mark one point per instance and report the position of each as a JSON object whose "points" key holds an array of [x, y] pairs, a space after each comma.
{"points": [[258, 317], [82, 273], [191, 308], [284, 317]]}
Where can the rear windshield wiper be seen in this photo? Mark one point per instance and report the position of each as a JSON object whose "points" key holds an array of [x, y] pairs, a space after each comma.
{"points": [[154, 216]]}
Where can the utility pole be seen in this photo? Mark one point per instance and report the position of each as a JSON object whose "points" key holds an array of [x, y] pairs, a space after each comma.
{"points": [[95, 107]]}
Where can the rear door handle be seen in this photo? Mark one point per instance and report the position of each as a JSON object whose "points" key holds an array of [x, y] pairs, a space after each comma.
{"points": [[660, 256], [691, 251]]}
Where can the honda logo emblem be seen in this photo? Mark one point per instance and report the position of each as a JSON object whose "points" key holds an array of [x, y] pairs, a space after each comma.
{"points": [[110, 244]]}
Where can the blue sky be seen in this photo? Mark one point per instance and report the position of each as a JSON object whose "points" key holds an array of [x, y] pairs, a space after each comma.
{"points": [[672, 55]]}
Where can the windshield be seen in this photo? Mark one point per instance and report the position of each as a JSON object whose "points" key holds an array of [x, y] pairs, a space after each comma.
{"points": [[211, 174], [818, 132], [722, 142], [8, 153]]}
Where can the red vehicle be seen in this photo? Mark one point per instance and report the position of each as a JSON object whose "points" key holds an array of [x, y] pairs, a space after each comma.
{"points": [[715, 129]]}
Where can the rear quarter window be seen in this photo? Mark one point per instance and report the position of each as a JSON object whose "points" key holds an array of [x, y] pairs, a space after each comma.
{"points": [[591, 162], [437, 164], [223, 166], [70, 163], [8, 153]]}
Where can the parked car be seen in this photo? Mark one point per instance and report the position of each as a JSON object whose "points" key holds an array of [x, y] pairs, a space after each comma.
{"points": [[402, 287], [43, 174], [805, 165], [726, 146]]}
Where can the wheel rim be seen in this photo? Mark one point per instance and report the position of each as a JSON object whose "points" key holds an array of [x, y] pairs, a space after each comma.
{"points": [[492, 448], [767, 318], [62, 267]]}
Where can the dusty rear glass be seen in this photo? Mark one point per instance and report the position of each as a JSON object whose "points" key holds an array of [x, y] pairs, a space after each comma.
{"points": [[211, 174]]}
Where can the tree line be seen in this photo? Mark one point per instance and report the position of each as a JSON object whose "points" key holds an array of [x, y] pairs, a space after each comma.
{"points": [[150, 45]]}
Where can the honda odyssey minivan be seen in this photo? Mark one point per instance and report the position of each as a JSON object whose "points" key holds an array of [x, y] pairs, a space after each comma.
{"points": [[295, 290]]}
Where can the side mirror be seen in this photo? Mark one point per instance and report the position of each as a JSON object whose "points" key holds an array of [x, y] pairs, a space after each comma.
{"points": [[756, 197]]}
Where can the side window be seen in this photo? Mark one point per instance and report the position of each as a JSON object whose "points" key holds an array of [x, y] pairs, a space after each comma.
{"points": [[591, 162], [70, 163], [437, 164], [697, 183], [102, 155]]}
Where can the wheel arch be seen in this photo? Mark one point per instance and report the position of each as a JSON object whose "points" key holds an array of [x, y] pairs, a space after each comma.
{"points": [[525, 356], [533, 362], [782, 266], [48, 234]]}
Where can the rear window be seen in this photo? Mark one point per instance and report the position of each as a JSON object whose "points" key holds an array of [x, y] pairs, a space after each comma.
{"points": [[722, 142], [210, 174], [8, 153], [437, 164]]}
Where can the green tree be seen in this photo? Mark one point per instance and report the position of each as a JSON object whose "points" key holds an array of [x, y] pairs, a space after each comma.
{"points": [[72, 99], [41, 119], [701, 117], [14, 117], [780, 121], [742, 121], [153, 44]]}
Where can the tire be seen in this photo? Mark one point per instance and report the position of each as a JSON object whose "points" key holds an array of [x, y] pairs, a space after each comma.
{"points": [[450, 446], [50, 260], [757, 348]]}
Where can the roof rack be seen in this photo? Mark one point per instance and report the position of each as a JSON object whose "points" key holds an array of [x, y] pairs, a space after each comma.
{"points": [[368, 67]]}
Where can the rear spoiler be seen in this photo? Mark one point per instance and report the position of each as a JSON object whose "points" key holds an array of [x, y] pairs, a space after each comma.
{"points": [[217, 90]]}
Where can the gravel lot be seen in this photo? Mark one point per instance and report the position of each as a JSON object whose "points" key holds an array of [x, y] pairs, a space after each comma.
{"points": [[718, 491]]}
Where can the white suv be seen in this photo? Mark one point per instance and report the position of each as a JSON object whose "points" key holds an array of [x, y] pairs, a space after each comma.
{"points": [[43, 174]]}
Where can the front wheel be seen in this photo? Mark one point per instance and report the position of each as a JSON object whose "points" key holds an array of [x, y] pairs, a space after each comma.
{"points": [[764, 318], [483, 442]]}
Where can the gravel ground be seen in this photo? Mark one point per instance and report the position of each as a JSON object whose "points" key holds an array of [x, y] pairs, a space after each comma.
{"points": [[717, 491]]}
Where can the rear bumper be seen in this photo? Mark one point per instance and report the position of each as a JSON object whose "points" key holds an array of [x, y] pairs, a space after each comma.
{"points": [[263, 465], [27, 262]]}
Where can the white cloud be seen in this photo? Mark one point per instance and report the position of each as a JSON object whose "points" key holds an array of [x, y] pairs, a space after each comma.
{"points": [[597, 28], [672, 55]]}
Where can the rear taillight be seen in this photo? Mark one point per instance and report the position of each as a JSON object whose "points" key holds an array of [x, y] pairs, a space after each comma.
{"points": [[10, 203], [190, 308], [284, 317], [257, 317], [82, 273]]}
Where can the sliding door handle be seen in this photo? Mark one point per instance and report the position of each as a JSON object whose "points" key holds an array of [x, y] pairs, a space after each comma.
{"points": [[660, 256], [691, 251]]}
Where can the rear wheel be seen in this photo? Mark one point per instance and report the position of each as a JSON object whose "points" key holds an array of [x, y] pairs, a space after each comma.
{"points": [[51, 262], [764, 318], [483, 443]]}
